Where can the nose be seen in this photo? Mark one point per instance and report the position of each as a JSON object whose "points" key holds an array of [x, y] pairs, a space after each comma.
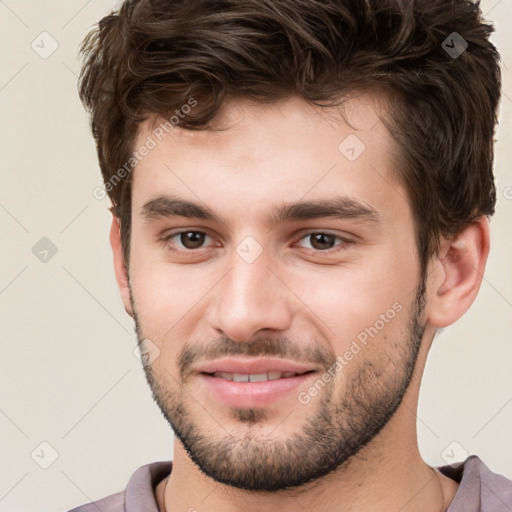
{"points": [[251, 297]]}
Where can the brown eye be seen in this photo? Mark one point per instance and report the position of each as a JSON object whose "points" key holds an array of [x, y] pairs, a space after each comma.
{"points": [[191, 239], [184, 241], [322, 241]]}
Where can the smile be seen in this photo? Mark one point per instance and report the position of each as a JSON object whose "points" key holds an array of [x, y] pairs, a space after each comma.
{"points": [[255, 377]]}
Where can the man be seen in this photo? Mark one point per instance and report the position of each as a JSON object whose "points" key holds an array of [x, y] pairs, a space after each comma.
{"points": [[301, 193]]}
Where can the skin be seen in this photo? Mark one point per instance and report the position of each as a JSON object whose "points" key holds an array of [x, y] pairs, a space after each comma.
{"points": [[264, 156]]}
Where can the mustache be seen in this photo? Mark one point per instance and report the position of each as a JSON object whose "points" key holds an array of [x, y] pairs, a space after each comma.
{"points": [[282, 348]]}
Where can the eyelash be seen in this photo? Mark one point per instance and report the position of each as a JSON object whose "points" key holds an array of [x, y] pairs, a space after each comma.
{"points": [[166, 239]]}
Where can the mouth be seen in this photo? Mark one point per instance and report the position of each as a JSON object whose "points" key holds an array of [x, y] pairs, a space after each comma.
{"points": [[253, 383], [255, 377]]}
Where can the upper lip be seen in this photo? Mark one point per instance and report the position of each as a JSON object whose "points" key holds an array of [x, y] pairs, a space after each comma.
{"points": [[253, 366]]}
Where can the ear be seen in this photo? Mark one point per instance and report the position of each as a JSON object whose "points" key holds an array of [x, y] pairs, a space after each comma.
{"points": [[119, 264], [457, 274]]}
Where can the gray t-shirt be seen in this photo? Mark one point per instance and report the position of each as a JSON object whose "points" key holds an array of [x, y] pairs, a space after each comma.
{"points": [[480, 490]]}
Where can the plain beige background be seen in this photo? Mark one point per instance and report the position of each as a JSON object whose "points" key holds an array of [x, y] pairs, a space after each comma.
{"points": [[68, 375]]}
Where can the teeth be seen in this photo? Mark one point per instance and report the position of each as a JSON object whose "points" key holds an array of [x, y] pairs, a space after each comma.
{"points": [[254, 377], [258, 377]]}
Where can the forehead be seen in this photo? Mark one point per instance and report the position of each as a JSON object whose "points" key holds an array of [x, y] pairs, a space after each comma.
{"points": [[257, 155]]}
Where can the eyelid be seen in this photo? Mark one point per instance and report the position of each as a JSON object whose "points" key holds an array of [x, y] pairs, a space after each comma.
{"points": [[345, 240], [165, 239]]}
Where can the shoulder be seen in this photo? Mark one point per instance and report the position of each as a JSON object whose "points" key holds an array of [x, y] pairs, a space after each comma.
{"points": [[139, 492], [495, 489], [479, 487], [113, 503]]}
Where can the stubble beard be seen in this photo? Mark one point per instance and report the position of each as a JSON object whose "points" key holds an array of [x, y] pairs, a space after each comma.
{"points": [[337, 430]]}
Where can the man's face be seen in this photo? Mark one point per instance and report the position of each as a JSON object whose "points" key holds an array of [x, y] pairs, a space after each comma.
{"points": [[323, 312]]}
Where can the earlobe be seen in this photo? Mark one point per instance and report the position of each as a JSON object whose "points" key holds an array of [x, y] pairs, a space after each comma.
{"points": [[458, 273], [120, 264]]}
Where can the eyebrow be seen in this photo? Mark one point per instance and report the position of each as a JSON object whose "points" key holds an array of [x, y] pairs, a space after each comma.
{"points": [[339, 207]]}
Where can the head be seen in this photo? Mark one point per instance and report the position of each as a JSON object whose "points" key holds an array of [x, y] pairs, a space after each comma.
{"points": [[260, 128]]}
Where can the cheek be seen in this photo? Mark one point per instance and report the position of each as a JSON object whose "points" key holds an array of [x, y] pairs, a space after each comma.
{"points": [[347, 301], [169, 300]]}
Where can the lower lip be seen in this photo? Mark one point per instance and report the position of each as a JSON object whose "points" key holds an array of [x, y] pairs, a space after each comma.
{"points": [[252, 394]]}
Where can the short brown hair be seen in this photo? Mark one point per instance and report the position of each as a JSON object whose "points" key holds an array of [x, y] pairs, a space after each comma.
{"points": [[151, 56]]}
